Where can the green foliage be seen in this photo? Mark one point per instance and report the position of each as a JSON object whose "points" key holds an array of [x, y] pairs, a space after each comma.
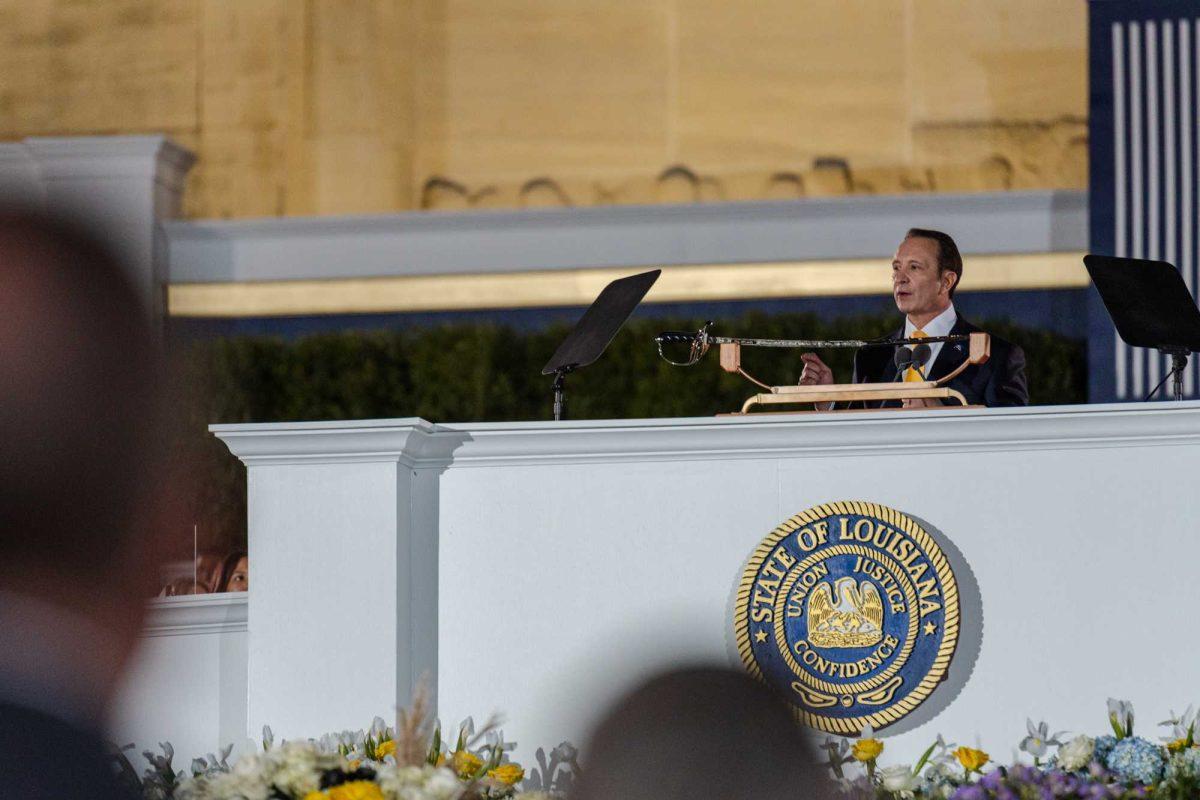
{"points": [[483, 372]]}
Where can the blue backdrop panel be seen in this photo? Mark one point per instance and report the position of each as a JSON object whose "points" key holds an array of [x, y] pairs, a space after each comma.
{"points": [[1144, 77]]}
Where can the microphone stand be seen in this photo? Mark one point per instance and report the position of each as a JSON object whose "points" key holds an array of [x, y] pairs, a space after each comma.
{"points": [[903, 359]]}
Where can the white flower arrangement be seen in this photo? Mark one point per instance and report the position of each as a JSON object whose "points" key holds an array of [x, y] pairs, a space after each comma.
{"points": [[409, 761], [406, 763]]}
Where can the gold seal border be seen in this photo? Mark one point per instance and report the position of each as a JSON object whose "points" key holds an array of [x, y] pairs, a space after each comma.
{"points": [[941, 663]]}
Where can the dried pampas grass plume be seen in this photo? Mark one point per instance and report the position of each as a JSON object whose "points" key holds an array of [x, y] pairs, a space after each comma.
{"points": [[414, 726]]}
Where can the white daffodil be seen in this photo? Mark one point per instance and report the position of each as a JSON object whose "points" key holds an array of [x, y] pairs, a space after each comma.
{"points": [[1039, 740], [899, 780], [1120, 716]]}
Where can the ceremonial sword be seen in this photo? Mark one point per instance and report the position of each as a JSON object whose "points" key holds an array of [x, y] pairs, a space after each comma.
{"points": [[701, 340]]}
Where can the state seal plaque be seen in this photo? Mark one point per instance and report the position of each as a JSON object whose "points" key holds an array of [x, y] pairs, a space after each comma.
{"points": [[851, 610]]}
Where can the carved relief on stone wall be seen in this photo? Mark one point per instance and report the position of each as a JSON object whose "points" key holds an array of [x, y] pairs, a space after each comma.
{"points": [[948, 157]]}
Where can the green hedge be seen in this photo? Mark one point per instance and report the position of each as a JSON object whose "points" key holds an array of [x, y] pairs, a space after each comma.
{"points": [[484, 372]]}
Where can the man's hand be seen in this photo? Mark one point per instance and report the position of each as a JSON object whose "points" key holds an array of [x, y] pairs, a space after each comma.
{"points": [[815, 372]]}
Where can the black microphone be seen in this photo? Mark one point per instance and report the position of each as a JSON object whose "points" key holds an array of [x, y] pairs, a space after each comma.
{"points": [[902, 359], [920, 355]]}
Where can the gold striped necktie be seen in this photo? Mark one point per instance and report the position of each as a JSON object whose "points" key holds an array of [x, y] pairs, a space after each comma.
{"points": [[911, 375]]}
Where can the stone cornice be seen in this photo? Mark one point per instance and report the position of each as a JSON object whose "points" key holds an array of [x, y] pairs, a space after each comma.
{"points": [[420, 444], [437, 243], [199, 613]]}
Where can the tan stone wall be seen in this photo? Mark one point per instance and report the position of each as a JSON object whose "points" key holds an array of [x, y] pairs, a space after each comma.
{"points": [[348, 106]]}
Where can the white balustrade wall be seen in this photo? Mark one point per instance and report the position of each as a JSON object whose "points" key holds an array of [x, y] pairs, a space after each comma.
{"points": [[187, 683], [538, 568]]}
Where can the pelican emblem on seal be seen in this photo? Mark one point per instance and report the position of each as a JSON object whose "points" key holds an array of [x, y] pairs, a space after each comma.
{"points": [[856, 620]]}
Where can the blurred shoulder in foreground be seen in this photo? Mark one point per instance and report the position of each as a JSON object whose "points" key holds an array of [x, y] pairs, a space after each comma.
{"points": [[83, 494]]}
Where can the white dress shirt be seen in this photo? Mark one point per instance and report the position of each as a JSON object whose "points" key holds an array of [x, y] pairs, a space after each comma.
{"points": [[941, 325]]}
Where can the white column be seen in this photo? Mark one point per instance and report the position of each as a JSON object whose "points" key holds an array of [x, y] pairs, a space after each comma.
{"points": [[343, 569], [123, 185]]}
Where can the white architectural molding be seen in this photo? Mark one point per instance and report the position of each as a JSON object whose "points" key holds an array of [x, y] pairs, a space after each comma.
{"points": [[421, 444], [444, 243], [197, 613], [541, 568], [406, 441], [123, 186], [186, 682], [352, 559]]}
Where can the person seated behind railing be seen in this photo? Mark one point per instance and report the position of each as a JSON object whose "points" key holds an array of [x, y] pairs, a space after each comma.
{"points": [[183, 586], [234, 575], [212, 574]]}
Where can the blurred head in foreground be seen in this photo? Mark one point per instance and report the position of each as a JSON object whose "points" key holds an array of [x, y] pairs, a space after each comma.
{"points": [[81, 480], [703, 732]]}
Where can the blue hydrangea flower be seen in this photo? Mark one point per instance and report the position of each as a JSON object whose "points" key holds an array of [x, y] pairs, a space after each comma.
{"points": [[1184, 766], [1104, 746], [1136, 759]]}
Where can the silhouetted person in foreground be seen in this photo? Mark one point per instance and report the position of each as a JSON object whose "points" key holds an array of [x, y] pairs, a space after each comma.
{"points": [[702, 732], [81, 501]]}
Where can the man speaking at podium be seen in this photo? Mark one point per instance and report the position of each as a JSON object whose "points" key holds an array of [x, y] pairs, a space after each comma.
{"points": [[925, 272]]}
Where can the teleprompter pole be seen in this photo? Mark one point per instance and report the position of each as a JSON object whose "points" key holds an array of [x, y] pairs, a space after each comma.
{"points": [[1179, 359], [560, 395]]}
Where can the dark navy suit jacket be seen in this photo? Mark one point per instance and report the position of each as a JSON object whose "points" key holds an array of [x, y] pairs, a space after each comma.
{"points": [[999, 382], [44, 758]]}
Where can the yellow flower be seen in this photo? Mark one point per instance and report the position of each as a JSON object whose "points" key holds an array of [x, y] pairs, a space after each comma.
{"points": [[384, 749], [971, 759], [356, 790], [316, 796], [1177, 746], [866, 749], [508, 774], [466, 764]]}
